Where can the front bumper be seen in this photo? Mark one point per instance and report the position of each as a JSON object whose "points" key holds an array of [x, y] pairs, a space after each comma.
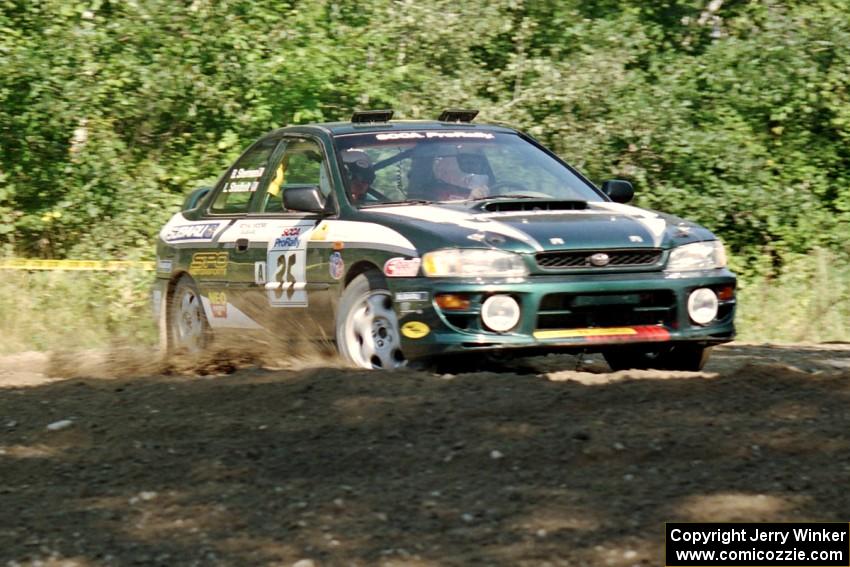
{"points": [[653, 309]]}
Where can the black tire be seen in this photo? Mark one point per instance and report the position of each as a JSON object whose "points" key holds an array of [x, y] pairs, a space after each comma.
{"points": [[367, 329], [188, 329], [688, 357]]}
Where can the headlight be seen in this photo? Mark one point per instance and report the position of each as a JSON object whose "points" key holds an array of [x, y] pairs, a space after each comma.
{"points": [[471, 262], [697, 256]]}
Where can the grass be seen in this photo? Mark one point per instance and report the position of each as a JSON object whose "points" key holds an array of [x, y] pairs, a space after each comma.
{"points": [[74, 310], [808, 302]]}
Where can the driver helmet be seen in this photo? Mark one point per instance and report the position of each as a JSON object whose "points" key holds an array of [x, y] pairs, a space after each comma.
{"points": [[447, 170], [358, 165]]}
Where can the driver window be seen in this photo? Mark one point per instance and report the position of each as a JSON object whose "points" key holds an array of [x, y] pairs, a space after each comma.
{"points": [[301, 165]]}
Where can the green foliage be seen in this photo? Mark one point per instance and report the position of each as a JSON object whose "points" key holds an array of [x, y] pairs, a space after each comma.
{"points": [[735, 114]]}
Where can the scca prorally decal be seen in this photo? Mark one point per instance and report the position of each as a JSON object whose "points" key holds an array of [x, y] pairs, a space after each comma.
{"points": [[430, 135], [289, 238], [203, 231]]}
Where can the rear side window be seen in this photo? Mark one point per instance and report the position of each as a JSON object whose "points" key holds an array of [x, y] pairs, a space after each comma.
{"points": [[244, 179]]}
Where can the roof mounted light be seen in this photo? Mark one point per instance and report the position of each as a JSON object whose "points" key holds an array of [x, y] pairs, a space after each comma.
{"points": [[369, 116], [458, 115]]}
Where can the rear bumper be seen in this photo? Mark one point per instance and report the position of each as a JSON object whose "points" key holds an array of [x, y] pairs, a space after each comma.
{"points": [[585, 328]]}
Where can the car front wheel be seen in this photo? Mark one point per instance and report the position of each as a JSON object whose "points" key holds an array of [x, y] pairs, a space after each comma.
{"points": [[686, 357], [367, 330]]}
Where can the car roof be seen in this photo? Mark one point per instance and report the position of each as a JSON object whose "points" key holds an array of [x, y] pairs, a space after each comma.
{"points": [[342, 128]]}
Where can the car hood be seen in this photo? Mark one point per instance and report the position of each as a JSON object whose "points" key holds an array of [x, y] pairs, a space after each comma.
{"points": [[599, 226]]}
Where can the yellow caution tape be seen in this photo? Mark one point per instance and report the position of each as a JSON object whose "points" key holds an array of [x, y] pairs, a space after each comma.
{"points": [[73, 265]]}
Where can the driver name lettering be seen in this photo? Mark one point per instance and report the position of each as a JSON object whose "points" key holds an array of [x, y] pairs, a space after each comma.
{"points": [[247, 173], [242, 187]]}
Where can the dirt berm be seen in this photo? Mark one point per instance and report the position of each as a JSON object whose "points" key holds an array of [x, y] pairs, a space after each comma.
{"points": [[554, 462]]}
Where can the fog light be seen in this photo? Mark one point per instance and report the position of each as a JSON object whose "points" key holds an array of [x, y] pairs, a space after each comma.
{"points": [[451, 301], [500, 313], [702, 306]]}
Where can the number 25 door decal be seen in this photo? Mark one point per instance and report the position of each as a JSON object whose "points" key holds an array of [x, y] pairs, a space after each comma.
{"points": [[286, 269]]}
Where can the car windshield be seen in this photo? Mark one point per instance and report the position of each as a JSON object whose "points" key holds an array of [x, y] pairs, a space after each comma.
{"points": [[444, 165]]}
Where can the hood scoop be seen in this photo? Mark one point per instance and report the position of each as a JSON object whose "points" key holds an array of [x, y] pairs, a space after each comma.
{"points": [[522, 205]]}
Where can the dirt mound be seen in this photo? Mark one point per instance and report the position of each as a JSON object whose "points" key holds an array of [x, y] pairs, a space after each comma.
{"points": [[555, 461]]}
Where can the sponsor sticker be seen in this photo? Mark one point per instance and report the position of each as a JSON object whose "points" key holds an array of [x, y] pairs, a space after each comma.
{"points": [[164, 266], [643, 333], [415, 329], [203, 231], [288, 239], [402, 267], [286, 242], [336, 266], [209, 264], [321, 232], [218, 304], [260, 273], [251, 227], [411, 296]]}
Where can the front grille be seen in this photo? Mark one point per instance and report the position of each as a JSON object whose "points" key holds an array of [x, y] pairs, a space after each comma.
{"points": [[581, 310], [571, 260]]}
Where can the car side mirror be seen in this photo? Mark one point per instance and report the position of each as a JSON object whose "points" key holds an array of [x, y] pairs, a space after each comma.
{"points": [[194, 198], [618, 190], [305, 199]]}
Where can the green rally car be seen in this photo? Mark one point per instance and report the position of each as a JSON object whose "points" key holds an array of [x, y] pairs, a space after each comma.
{"points": [[405, 240]]}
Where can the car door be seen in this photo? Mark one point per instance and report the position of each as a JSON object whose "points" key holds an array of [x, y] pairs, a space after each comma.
{"points": [[219, 269], [273, 284]]}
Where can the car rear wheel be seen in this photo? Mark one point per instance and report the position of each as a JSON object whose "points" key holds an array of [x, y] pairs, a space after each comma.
{"points": [[367, 330], [188, 329], [671, 357]]}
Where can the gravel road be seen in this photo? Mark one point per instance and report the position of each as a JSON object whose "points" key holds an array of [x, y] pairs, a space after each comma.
{"points": [[112, 460]]}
